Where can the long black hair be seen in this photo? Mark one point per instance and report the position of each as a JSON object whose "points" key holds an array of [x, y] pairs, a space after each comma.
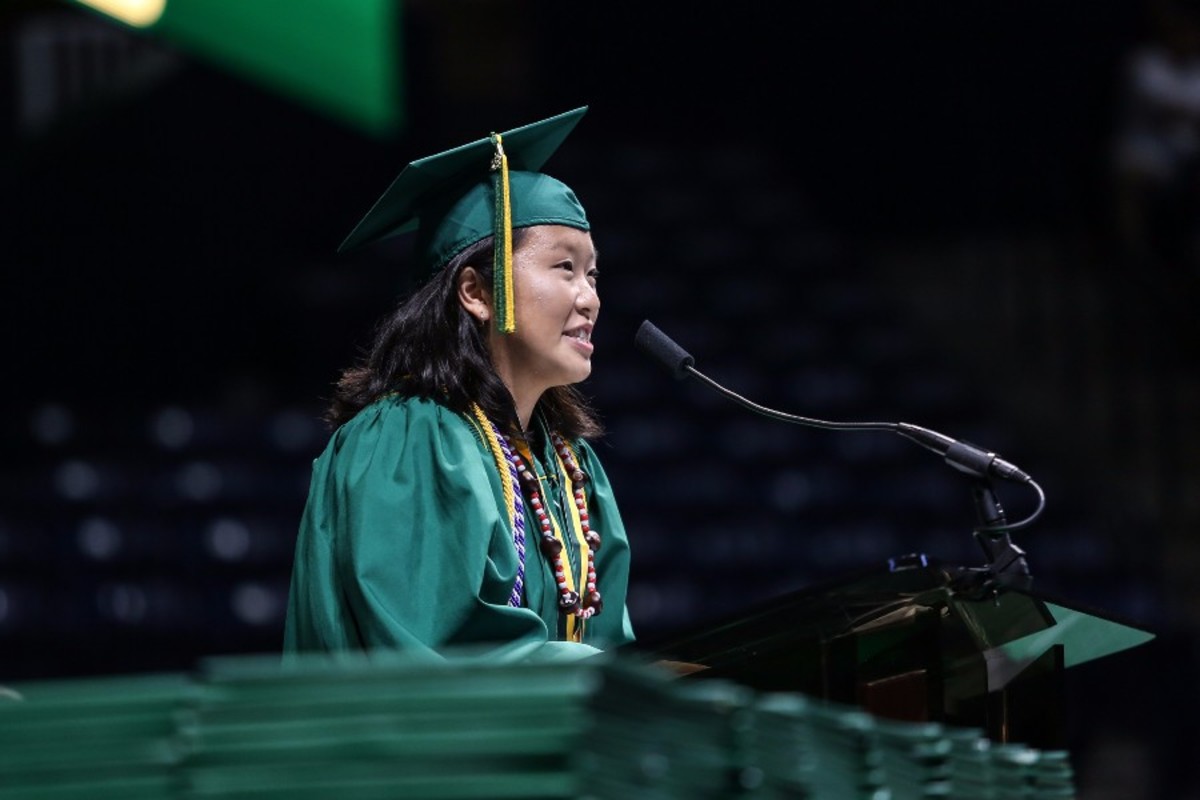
{"points": [[429, 346]]}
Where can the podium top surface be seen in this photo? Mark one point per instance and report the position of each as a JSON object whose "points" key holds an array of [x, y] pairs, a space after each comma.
{"points": [[1008, 624]]}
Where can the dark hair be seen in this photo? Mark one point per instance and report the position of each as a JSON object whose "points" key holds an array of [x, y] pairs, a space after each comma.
{"points": [[431, 347]]}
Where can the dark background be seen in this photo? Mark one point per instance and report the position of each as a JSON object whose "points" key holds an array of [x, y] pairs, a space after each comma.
{"points": [[851, 211]]}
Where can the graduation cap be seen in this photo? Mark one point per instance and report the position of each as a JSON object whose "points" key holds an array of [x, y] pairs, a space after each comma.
{"points": [[485, 188]]}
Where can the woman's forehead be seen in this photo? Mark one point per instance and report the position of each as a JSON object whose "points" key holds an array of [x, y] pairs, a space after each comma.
{"points": [[560, 239]]}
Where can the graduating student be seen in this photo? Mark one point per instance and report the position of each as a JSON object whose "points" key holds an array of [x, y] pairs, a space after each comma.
{"points": [[458, 501]]}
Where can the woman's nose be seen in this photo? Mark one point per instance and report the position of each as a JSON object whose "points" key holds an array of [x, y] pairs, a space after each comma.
{"points": [[588, 300]]}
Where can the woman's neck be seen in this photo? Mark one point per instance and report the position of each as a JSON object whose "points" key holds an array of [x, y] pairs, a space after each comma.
{"points": [[524, 396], [524, 403], [525, 413]]}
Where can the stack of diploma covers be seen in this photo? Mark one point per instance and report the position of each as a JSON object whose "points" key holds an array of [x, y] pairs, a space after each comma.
{"points": [[471, 725], [94, 739]]}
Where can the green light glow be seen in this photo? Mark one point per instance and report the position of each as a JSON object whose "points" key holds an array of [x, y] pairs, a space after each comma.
{"points": [[340, 57]]}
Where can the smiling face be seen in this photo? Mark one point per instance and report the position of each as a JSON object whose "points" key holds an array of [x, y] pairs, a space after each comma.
{"points": [[556, 305]]}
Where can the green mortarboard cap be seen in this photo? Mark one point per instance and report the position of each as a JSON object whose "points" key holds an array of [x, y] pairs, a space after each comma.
{"points": [[485, 188]]}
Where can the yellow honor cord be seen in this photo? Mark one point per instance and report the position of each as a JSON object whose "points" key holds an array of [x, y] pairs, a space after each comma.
{"points": [[493, 443], [502, 278], [575, 624]]}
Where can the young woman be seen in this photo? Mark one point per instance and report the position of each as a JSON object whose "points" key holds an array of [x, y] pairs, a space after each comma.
{"points": [[458, 503]]}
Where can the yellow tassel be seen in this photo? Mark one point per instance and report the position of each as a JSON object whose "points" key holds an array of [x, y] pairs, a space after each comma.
{"points": [[502, 277]]}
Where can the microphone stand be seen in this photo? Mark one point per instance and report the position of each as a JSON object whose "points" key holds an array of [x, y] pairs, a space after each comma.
{"points": [[1006, 566]]}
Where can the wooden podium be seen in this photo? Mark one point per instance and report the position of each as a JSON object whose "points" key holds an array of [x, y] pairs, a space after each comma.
{"points": [[913, 640]]}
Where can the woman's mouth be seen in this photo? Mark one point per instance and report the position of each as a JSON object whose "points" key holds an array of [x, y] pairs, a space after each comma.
{"points": [[581, 339]]}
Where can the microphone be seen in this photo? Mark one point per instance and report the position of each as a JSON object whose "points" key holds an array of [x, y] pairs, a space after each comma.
{"points": [[962, 456], [656, 344]]}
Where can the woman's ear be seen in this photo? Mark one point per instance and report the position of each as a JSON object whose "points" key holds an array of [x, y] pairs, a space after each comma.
{"points": [[474, 294]]}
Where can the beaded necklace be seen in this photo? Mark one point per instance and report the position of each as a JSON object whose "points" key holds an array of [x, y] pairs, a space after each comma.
{"points": [[569, 602], [518, 475]]}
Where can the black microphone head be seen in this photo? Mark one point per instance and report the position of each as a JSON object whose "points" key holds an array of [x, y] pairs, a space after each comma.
{"points": [[656, 344]]}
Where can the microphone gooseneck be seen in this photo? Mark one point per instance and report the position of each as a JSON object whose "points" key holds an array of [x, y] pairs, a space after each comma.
{"points": [[966, 458]]}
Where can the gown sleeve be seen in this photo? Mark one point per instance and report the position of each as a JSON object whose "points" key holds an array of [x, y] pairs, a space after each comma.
{"points": [[612, 627], [405, 542]]}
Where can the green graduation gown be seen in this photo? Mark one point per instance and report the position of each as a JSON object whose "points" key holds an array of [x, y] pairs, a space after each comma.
{"points": [[406, 544]]}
